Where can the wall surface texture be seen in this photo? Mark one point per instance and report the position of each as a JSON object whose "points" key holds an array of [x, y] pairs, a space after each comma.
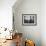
{"points": [[28, 7], [37, 33]]}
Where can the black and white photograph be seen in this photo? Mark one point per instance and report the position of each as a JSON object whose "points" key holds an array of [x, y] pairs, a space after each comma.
{"points": [[29, 19]]}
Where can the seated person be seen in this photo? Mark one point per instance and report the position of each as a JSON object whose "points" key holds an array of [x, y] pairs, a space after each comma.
{"points": [[18, 40]]}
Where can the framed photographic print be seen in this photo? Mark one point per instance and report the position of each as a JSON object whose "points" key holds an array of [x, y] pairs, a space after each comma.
{"points": [[29, 19]]}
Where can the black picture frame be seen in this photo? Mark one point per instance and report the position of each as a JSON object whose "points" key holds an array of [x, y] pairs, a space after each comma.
{"points": [[29, 19]]}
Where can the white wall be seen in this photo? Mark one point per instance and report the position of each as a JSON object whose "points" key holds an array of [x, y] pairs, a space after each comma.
{"points": [[29, 7], [43, 22], [6, 18], [6, 13]]}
